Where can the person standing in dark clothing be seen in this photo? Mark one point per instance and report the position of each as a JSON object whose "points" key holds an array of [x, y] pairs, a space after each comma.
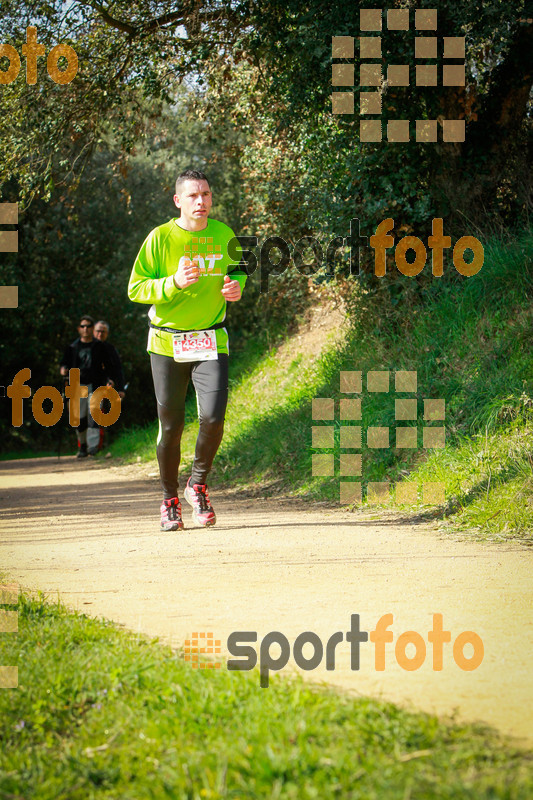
{"points": [[92, 358], [101, 332]]}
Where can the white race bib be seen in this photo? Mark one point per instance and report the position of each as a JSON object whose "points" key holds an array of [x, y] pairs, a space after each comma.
{"points": [[195, 346]]}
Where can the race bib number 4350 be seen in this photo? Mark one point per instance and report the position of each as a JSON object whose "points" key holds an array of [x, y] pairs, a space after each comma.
{"points": [[195, 346]]}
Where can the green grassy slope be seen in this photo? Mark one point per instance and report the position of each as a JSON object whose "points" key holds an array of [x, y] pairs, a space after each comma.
{"points": [[470, 342]]}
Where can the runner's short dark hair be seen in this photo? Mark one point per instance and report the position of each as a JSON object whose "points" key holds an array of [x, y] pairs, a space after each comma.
{"points": [[87, 317], [189, 175]]}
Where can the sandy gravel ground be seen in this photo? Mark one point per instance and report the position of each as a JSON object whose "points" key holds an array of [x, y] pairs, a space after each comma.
{"points": [[90, 532]]}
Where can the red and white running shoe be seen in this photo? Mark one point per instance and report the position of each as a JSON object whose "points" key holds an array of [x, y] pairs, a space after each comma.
{"points": [[202, 511], [171, 515]]}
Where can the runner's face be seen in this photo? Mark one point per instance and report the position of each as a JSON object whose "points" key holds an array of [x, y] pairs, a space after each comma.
{"points": [[101, 332], [85, 330], [194, 202]]}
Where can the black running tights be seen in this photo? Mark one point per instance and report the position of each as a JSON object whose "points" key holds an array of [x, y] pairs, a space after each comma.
{"points": [[210, 381]]}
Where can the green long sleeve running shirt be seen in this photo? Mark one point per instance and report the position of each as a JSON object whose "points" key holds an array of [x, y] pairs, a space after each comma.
{"points": [[200, 305]]}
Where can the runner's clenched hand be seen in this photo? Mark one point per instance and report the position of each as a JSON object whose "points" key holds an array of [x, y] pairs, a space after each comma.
{"points": [[186, 274], [231, 289]]}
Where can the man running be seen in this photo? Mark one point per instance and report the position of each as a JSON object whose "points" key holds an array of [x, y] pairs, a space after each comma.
{"points": [[184, 271]]}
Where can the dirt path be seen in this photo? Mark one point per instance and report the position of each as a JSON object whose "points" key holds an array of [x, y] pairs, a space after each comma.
{"points": [[90, 532]]}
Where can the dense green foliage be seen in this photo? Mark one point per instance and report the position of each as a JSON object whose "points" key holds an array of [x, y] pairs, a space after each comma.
{"points": [[100, 713], [266, 67], [337, 176]]}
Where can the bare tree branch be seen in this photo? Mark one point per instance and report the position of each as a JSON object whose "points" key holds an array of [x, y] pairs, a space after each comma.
{"points": [[153, 25]]}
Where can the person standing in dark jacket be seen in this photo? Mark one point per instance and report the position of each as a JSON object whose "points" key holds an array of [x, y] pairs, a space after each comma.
{"points": [[96, 367], [101, 332]]}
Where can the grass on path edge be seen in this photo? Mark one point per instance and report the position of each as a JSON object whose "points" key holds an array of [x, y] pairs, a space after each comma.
{"points": [[102, 713]]}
